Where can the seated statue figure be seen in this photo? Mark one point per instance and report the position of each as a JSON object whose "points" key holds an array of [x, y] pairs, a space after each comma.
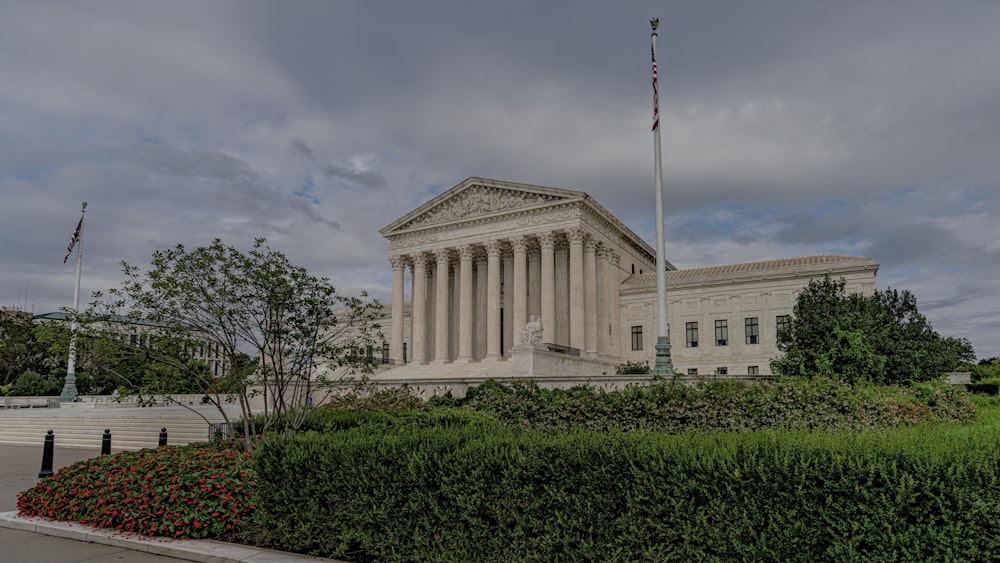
{"points": [[532, 331]]}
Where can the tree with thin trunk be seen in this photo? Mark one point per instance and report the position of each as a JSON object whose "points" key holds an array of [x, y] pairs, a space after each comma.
{"points": [[280, 331]]}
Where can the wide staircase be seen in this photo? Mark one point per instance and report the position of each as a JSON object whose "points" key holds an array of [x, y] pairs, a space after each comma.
{"points": [[131, 428]]}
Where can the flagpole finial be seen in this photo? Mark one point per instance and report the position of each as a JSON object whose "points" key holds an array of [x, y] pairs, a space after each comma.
{"points": [[654, 23]]}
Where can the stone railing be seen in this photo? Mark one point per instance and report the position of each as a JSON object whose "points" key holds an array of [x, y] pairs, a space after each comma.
{"points": [[26, 402]]}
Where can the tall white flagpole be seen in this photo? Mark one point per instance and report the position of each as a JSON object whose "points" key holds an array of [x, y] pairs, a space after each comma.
{"points": [[69, 386], [663, 365]]}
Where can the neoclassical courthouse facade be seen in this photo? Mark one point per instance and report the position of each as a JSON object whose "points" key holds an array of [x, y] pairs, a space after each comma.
{"points": [[475, 265]]}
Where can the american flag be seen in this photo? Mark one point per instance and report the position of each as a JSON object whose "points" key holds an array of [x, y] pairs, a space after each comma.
{"points": [[656, 93], [73, 240]]}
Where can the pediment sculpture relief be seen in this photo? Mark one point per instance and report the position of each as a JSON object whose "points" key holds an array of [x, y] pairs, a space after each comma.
{"points": [[477, 201]]}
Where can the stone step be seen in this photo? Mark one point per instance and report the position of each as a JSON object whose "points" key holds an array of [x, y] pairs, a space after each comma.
{"points": [[131, 428]]}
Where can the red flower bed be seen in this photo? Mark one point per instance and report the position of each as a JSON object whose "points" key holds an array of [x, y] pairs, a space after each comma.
{"points": [[195, 491]]}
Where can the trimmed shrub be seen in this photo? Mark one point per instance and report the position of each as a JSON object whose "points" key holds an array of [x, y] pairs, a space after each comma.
{"points": [[410, 493], [726, 404], [986, 386]]}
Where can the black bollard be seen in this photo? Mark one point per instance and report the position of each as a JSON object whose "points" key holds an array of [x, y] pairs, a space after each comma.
{"points": [[163, 436], [106, 442], [47, 454]]}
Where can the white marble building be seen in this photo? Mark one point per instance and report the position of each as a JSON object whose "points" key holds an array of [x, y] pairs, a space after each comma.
{"points": [[472, 266]]}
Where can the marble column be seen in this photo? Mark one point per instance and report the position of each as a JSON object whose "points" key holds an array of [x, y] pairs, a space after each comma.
{"points": [[465, 328], [396, 344], [508, 303], [590, 295], [441, 302], [534, 287], [548, 286], [615, 305], [418, 320], [602, 301], [561, 333], [576, 306], [493, 300], [479, 346], [520, 290]]}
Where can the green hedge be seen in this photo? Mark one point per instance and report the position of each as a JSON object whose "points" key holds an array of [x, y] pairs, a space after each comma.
{"points": [[482, 492], [987, 386], [730, 405]]}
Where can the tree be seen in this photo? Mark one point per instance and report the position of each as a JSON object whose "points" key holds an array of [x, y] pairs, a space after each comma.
{"points": [[20, 350], [882, 338], [304, 334]]}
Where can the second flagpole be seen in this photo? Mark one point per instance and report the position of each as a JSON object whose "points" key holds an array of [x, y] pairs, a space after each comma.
{"points": [[663, 365]]}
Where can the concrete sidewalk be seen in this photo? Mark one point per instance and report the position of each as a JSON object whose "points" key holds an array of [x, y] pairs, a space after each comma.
{"points": [[35, 539]]}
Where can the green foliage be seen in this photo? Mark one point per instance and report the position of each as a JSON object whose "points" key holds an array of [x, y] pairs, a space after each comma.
{"points": [[987, 368], [729, 405], [882, 339], [423, 492], [304, 334], [377, 399], [31, 384], [192, 491], [633, 368], [988, 386], [20, 350]]}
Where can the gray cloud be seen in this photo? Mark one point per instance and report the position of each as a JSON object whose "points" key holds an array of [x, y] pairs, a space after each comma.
{"points": [[789, 128]]}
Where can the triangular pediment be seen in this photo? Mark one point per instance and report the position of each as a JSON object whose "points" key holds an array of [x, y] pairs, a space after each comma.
{"points": [[479, 197]]}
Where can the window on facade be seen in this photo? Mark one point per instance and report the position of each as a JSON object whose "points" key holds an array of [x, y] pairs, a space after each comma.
{"points": [[385, 353], [721, 371], [692, 335], [752, 370], [721, 332], [404, 352], [752, 330], [637, 337], [782, 322], [692, 371]]}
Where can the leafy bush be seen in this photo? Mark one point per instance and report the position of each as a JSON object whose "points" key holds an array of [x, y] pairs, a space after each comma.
{"points": [[731, 405], [381, 399], [987, 386], [633, 368], [31, 384], [408, 493], [192, 491]]}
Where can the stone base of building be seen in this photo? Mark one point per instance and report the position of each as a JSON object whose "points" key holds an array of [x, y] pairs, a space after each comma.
{"points": [[527, 362]]}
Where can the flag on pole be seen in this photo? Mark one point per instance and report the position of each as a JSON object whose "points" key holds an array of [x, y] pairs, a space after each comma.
{"points": [[656, 91], [73, 240]]}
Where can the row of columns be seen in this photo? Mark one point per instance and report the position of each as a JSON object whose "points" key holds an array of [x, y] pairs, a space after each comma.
{"points": [[495, 284]]}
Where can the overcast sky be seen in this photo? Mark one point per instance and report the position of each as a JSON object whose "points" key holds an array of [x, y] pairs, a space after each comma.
{"points": [[790, 128]]}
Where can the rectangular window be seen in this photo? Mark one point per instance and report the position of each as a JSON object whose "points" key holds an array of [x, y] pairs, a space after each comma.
{"points": [[721, 371], [721, 332], [637, 337], [385, 353], [751, 330], [752, 370], [692, 335], [782, 322], [692, 371]]}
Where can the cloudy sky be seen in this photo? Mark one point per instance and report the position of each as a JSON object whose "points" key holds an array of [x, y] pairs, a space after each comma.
{"points": [[790, 128]]}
